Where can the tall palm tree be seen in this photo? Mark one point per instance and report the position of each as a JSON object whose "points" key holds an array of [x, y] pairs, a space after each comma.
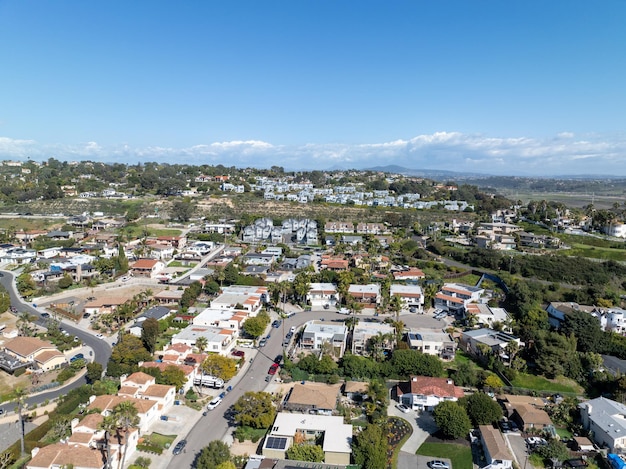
{"points": [[109, 425], [20, 397], [126, 416]]}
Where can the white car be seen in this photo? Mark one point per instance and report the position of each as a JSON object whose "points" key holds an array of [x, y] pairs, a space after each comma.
{"points": [[402, 408], [214, 403], [438, 465], [100, 336]]}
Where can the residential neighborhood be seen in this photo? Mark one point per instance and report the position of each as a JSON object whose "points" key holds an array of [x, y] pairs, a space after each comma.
{"points": [[302, 338]]}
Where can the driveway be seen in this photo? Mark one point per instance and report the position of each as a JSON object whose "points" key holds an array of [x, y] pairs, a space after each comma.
{"points": [[518, 448], [422, 424]]}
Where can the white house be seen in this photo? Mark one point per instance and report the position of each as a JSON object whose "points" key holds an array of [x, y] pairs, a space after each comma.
{"points": [[425, 392], [334, 434], [432, 342], [321, 294], [604, 419], [411, 296], [455, 297], [317, 332]]}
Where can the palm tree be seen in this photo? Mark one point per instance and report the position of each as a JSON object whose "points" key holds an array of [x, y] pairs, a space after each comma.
{"points": [[23, 324], [125, 414], [20, 397], [202, 343], [395, 305], [109, 425]]}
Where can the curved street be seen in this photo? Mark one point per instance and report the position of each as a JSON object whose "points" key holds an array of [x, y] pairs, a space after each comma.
{"points": [[101, 349]]}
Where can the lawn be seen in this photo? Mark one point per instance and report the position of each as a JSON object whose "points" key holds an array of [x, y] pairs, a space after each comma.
{"points": [[155, 443], [461, 456], [539, 383]]}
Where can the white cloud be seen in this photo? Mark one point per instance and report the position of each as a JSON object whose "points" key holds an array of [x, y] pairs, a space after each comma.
{"points": [[559, 155]]}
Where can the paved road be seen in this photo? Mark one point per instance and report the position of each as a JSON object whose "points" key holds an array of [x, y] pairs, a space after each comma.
{"points": [[101, 349], [216, 425]]}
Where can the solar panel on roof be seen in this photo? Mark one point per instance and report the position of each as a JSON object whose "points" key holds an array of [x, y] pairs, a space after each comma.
{"points": [[274, 442]]}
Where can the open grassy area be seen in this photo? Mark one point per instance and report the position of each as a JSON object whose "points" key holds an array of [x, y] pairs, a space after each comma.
{"points": [[595, 252], [461, 456], [539, 383], [156, 443]]}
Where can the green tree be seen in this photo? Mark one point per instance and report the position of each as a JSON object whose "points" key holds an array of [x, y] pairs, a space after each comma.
{"points": [[143, 462], [452, 419], [370, 447], [65, 281], [226, 465], [305, 452], [150, 332], [554, 449], [254, 327], [125, 356], [358, 367], [255, 409], [405, 363], [212, 455], [465, 375], [481, 408], [173, 376], [94, 372], [219, 366], [182, 210], [493, 382]]}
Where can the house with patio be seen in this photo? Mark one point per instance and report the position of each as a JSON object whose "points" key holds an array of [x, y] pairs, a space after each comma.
{"points": [[370, 337], [368, 295], [148, 268], [454, 297], [477, 342], [411, 296], [322, 294], [432, 342], [425, 392], [293, 428], [41, 354], [316, 333]]}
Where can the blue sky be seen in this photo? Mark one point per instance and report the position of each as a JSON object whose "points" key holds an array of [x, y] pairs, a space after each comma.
{"points": [[501, 87]]}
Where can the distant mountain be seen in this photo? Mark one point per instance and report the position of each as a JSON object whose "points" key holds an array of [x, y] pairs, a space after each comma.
{"points": [[429, 173]]}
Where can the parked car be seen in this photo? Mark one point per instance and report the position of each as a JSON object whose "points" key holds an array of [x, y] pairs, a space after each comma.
{"points": [[214, 403], [86, 315], [402, 408], [275, 324], [262, 342], [533, 441], [238, 353], [45, 315], [99, 336], [278, 359], [437, 464], [78, 356], [292, 330], [505, 427], [180, 446], [273, 369]]}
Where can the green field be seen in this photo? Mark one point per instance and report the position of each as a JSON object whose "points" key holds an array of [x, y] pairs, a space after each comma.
{"points": [[460, 455], [594, 252], [539, 383]]}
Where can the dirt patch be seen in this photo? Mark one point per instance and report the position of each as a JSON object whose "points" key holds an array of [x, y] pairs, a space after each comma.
{"points": [[244, 448]]}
